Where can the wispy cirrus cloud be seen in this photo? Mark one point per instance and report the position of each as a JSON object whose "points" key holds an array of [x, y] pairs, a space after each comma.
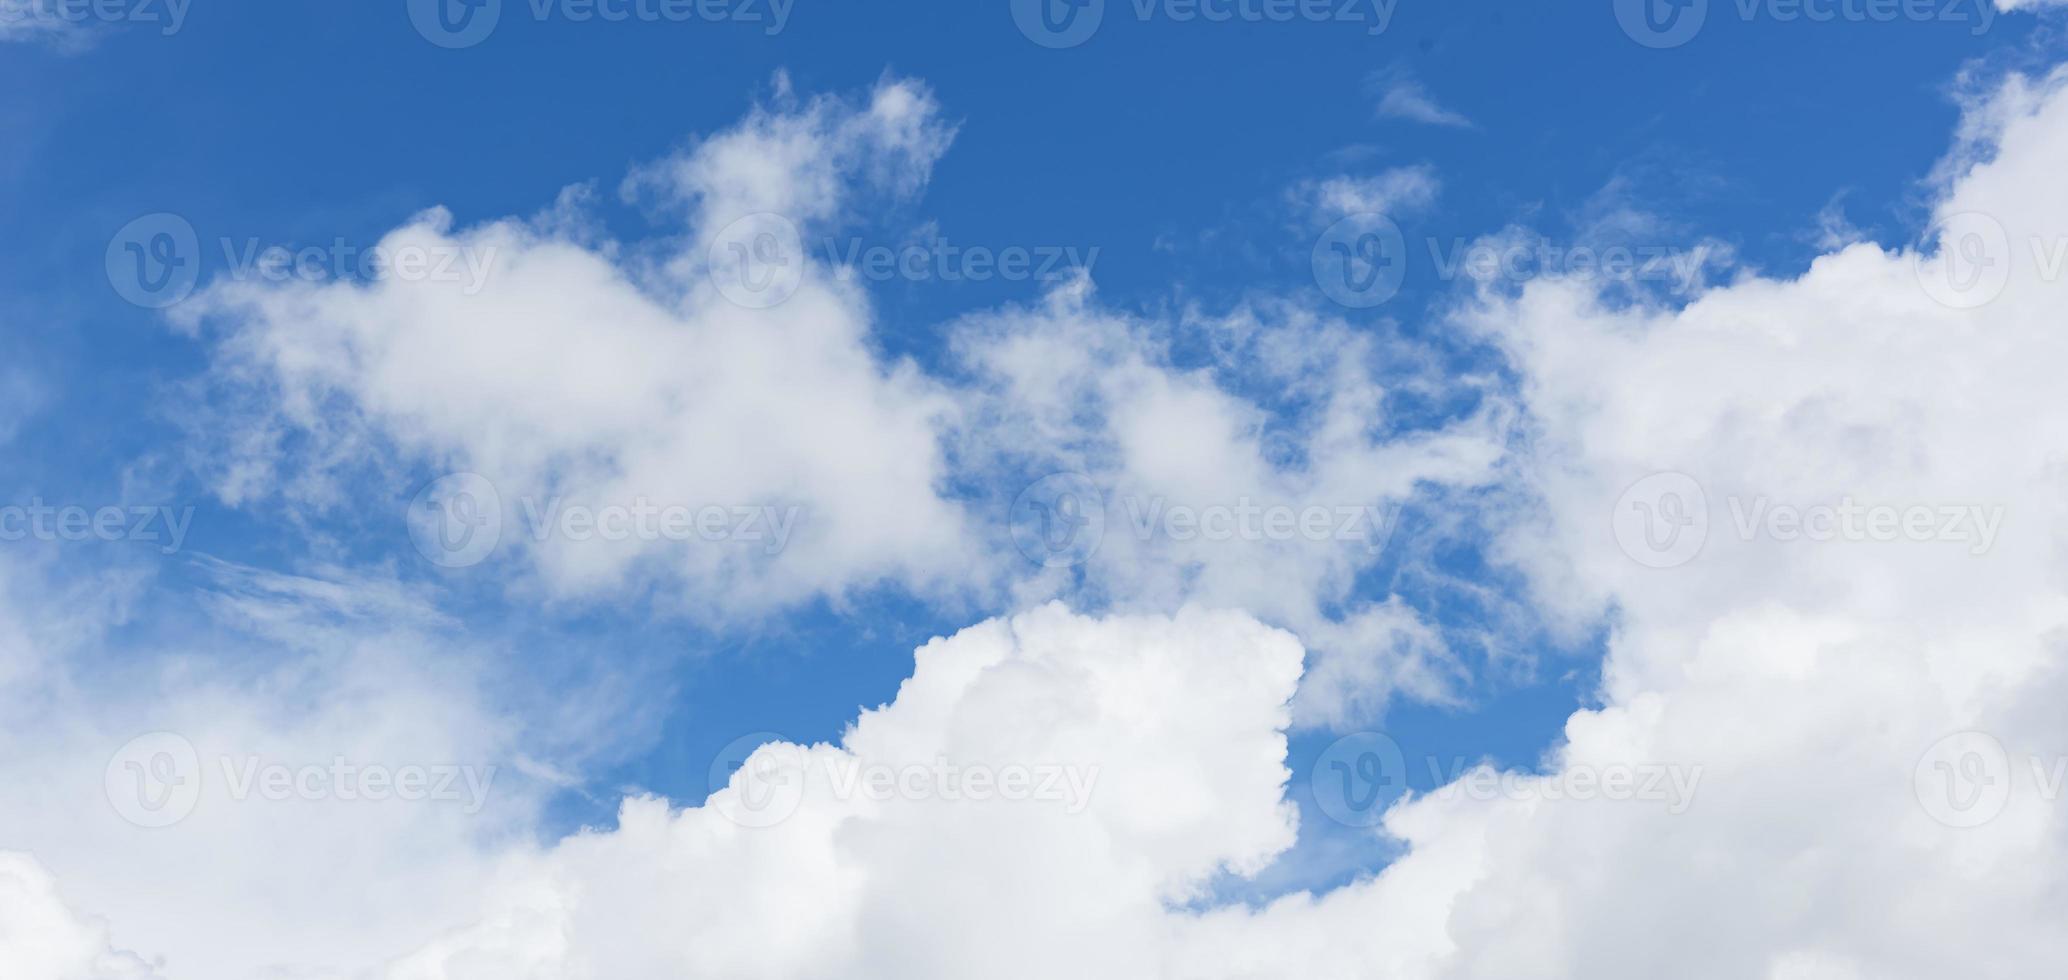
{"points": [[1402, 96]]}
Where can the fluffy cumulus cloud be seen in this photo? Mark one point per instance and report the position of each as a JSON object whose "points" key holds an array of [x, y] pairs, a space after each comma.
{"points": [[1865, 472], [580, 384], [1820, 841], [729, 369], [1891, 404], [41, 937], [183, 793], [1019, 790], [1820, 515]]}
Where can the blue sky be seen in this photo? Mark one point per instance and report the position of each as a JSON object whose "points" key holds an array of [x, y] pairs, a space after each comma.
{"points": [[1182, 161]]}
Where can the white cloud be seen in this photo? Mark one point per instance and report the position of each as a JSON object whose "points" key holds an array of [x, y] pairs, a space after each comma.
{"points": [[1395, 191], [1177, 785], [576, 378], [1402, 96], [1071, 387], [41, 937], [579, 378], [34, 20], [252, 882], [1807, 679]]}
